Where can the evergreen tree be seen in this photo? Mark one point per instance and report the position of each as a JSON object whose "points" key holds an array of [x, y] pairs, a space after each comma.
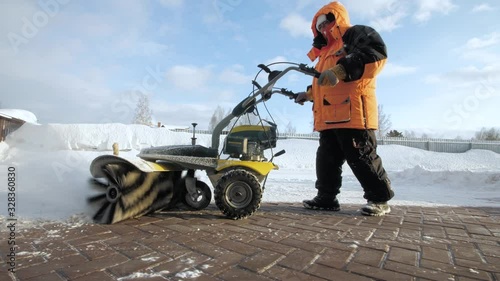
{"points": [[143, 115], [394, 134]]}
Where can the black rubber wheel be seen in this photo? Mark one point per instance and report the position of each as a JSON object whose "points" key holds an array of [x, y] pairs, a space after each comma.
{"points": [[238, 194], [202, 198]]}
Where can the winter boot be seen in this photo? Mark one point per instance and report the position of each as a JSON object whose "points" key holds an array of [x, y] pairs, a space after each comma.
{"points": [[322, 202], [375, 209]]}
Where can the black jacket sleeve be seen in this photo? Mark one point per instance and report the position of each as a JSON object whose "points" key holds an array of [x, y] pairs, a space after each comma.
{"points": [[363, 45]]}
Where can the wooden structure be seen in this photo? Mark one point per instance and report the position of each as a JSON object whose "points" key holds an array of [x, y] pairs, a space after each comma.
{"points": [[11, 121]]}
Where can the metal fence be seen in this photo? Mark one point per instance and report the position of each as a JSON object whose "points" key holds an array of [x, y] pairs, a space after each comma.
{"points": [[436, 145]]}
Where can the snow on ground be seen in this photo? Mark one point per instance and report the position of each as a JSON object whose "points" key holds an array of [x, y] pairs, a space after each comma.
{"points": [[52, 170]]}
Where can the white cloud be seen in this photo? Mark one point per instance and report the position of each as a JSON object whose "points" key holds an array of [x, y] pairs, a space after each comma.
{"points": [[235, 75], [376, 8], [383, 15], [468, 76], [484, 7], [388, 23], [188, 77], [296, 25], [427, 7], [484, 42], [391, 70]]}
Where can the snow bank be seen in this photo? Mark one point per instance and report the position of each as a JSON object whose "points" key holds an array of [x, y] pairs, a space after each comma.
{"points": [[98, 137], [52, 163]]}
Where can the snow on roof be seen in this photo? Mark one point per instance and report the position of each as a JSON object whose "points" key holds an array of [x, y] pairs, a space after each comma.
{"points": [[20, 114]]}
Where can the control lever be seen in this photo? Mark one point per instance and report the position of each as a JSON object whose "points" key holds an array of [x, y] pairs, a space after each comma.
{"points": [[310, 70], [265, 68]]}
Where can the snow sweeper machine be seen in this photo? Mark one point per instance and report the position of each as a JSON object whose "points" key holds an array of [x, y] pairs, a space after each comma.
{"points": [[160, 177]]}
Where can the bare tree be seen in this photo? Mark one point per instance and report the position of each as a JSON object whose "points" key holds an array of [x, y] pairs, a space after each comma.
{"points": [[143, 115], [384, 122], [290, 128], [488, 134], [410, 134], [217, 116]]}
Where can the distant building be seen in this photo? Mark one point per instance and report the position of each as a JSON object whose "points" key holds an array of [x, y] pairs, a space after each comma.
{"points": [[13, 119]]}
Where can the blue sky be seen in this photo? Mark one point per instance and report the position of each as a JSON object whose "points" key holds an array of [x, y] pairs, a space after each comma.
{"points": [[72, 61]]}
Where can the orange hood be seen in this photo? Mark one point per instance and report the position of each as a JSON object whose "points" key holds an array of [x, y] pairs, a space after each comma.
{"points": [[342, 23]]}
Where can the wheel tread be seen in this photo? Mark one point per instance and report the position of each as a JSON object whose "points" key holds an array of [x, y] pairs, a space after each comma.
{"points": [[220, 188]]}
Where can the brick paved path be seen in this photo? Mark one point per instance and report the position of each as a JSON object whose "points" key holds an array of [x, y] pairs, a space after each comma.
{"points": [[280, 242]]}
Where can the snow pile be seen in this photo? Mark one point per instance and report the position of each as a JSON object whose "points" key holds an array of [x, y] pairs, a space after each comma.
{"points": [[52, 170], [96, 137]]}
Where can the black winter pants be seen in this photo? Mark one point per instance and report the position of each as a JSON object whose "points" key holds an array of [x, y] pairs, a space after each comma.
{"points": [[359, 149]]}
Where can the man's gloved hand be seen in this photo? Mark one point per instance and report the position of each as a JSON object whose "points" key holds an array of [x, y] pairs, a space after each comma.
{"points": [[331, 76], [301, 98]]}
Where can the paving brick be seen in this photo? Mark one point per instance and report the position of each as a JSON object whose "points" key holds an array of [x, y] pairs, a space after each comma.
{"points": [[261, 261], [45, 268], [456, 232], [424, 273], [94, 250], [492, 260], [358, 234], [329, 273], [434, 254], [56, 249], [132, 250], [299, 259], [92, 238], [220, 264], [282, 273], [282, 241], [100, 276], [303, 245], [433, 231], [403, 256], [489, 267], [335, 258], [410, 233], [242, 275], [77, 270], [369, 256], [207, 248], [468, 252], [271, 246], [50, 276], [238, 247], [377, 273], [152, 228], [455, 270], [137, 265], [124, 229], [385, 234]]}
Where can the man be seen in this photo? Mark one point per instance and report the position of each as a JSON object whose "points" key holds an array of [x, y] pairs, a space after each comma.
{"points": [[345, 109]]}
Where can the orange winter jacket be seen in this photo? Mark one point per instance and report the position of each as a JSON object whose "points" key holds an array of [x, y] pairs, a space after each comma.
{"points": [[352, 103]]}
